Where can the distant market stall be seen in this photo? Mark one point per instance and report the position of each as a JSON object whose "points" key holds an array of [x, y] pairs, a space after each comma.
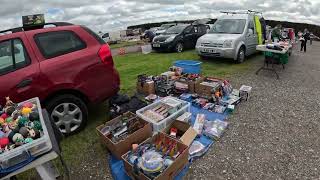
{"points": [[180, 117]]}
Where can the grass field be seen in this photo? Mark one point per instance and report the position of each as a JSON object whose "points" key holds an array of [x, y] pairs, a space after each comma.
{"points": [[83, 150], [125, 44]]}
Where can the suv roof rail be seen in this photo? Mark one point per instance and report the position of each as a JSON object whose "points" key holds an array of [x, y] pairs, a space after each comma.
{"points": [[20, 29], [241, 12]]}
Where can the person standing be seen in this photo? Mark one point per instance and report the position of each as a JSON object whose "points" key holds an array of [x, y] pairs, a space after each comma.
{"points": [[305, 37], [311, 38]]}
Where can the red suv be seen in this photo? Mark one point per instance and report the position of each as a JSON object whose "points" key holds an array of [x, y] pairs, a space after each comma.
{"points": [[67, 66]]}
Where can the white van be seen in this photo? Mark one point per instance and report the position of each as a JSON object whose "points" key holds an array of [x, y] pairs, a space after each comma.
{"points": [[232, 36]]}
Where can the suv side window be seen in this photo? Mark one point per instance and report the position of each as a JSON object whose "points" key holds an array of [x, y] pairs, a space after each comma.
{"points": [[13, 56], [53, 44]]}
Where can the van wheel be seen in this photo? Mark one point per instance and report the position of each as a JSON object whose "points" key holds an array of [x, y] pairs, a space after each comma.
{"points": [[241, 55], [68, 112], [179, 47]]}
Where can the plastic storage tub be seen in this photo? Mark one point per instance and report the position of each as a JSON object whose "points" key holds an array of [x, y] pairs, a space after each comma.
{"points": [[22, 155], [190, 67], [158, 126]]}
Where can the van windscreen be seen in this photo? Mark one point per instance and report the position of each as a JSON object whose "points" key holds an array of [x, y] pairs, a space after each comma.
{"points": [[228, 26]]}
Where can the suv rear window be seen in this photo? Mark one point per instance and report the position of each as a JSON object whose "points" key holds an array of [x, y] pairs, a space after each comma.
{"points": [[13, 56], [95, 35], [53, 44]]}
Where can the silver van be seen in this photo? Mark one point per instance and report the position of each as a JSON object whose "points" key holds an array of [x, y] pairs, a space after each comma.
{"points": [[232, 36]]}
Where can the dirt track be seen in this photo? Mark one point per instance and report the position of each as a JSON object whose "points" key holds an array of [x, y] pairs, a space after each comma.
{"points": [[275, 135]]}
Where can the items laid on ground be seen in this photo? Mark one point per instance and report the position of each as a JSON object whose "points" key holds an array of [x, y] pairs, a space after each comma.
{"points": [[158, 141]]}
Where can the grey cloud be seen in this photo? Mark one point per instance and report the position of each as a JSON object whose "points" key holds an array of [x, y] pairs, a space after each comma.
{"points": [[109, 15]]}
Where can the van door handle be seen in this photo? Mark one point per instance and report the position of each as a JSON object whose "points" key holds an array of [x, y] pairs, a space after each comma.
{"points": [[24, 83]]}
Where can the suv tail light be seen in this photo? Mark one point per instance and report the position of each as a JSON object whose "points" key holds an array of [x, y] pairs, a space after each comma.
{"points": [[105, 55]]}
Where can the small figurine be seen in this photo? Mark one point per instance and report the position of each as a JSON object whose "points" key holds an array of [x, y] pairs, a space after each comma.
{"points": [[13, 124], [22, 121], [4, 116], [28, 140], [18, 139], [9, 110], [9, 120], [34, 133], [25, 111], [9, 102], [1, 121], [4, 142], [27, 105], [24, 131], [15, 115], [34, 116], [37, 125]]}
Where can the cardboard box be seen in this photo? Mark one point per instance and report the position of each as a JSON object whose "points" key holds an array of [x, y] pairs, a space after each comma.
{"points": [[120, 148], [186, 133], [146, 88], [192, 84], [206, 89], [170, 172]]}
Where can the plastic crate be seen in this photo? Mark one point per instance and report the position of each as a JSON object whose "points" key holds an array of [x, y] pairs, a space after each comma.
{"points": [[22, 155], [158, 126], [188, 66]]}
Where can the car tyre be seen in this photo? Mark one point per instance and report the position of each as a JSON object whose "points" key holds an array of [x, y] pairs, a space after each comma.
{"points": [[179, 47], [68, 112], [241, 55]]}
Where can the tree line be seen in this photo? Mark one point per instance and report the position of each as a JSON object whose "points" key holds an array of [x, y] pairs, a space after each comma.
{"points": [[297, 26]]}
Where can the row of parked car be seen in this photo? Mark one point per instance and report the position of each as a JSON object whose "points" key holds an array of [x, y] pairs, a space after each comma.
{"points": [[232, 36]]}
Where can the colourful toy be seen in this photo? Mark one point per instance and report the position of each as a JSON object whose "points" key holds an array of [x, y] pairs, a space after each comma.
{"points": [[27, 105], [28, 140], [18, 139], [34, 116], [26, 111], [34, 133], [4, 116], [9, 120], [37, 125], [9, 110], [24, 132], [1, 121], [22, 121], [4, 142]]}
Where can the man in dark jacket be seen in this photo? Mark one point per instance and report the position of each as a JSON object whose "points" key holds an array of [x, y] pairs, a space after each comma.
{"points": [[306, 37]]}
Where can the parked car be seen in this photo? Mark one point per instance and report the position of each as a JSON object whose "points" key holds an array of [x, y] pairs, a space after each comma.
{"points": [[163, 28], [67, 66], [179, 37], [232, 36], [111, 37]]}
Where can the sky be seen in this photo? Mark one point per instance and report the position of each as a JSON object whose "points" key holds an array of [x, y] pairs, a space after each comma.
{"points": [[112, 15]]}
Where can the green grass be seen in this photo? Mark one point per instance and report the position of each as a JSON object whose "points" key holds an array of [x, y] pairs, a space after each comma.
{"points": [[124, 44], [86, 146], [131, 65]]}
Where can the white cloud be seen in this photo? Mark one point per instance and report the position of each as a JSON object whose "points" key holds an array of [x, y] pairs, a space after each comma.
{"points": [[107, 15]]}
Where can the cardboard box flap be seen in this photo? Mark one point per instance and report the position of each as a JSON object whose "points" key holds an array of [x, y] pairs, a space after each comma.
{"points": [[189, 136]]}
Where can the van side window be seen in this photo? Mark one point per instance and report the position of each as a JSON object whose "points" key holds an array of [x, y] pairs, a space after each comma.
{"points": [[251, 25], [189, 30], [53, 44], [13, 56]]}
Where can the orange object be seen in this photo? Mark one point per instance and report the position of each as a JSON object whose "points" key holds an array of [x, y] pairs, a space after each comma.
{"points": [[122, 51], [1, 121]]}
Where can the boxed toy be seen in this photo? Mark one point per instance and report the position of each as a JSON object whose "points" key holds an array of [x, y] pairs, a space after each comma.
{"points": [[120, 133], [245, 92], [160, 157], [182, 131]]}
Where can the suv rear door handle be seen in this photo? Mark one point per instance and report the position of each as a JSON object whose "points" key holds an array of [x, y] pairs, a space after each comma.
{"points": [[24, 83]]}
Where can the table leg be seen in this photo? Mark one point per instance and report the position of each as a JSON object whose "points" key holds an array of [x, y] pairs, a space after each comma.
{"points": [[47, 171]]}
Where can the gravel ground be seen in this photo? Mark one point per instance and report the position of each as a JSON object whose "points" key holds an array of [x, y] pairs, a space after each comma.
{"points": [[275, 135]]}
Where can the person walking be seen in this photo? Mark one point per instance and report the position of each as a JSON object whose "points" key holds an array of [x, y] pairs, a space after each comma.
{"points": [[304, 39]]}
